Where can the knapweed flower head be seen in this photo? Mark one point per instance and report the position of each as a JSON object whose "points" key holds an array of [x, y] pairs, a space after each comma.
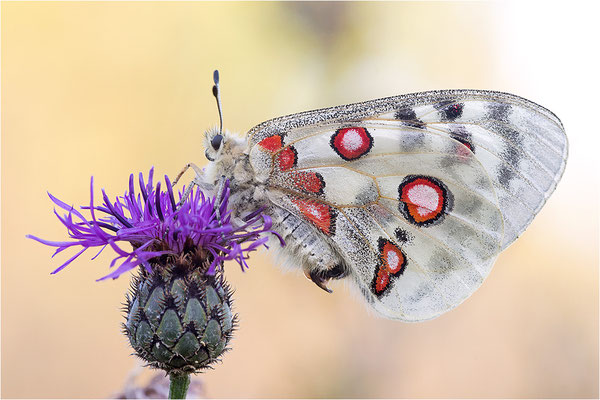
{"points": [[157, 225], [178, 311]]}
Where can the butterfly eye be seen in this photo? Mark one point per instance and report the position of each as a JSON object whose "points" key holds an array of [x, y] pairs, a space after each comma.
{"points": [[216, 142]]}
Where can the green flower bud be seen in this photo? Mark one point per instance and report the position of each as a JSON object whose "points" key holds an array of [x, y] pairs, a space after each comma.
{"points": [[179, 319]]}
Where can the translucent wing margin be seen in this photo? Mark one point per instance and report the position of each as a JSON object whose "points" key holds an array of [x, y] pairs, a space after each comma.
{"points": [[426, 188]]}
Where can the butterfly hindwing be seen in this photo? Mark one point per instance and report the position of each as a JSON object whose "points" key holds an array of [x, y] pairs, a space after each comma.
{"points": [[417, 193]]}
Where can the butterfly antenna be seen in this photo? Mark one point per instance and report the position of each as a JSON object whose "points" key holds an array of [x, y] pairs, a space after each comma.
{"points": [[221, 186], [217, 94]]}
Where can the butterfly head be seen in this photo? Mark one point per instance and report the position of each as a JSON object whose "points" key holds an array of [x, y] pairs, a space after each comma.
{"points": [[214, 143], [224, 149], [219, 144]]}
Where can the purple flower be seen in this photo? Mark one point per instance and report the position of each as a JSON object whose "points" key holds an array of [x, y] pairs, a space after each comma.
{"points": [[156, 225]]}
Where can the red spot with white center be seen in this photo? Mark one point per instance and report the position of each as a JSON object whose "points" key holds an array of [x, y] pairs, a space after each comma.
{"points": [[309, 182], [320, 215], [392, 263], [271, 143], [287, 158], [351, 143], [393, 259], [423, 199]]}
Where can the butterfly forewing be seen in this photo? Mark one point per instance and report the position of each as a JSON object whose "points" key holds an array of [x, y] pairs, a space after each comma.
{"points": [[417, 193], [522, 146]]}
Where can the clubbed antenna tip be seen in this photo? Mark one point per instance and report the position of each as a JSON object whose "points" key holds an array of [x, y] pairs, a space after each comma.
{"points": [[216, 92]]}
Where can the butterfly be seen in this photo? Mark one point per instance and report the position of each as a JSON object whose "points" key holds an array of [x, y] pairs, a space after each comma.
{"points": [[410, 198]]}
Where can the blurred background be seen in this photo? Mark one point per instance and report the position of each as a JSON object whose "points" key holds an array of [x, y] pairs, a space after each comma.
{"points": [[106, 89]]}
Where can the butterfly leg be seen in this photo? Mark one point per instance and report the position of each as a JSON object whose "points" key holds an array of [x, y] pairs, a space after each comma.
{"points": [[219, 198], [195, 182], [193, 166]]}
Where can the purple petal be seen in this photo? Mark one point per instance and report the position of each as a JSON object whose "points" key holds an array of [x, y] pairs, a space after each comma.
{"points": [[69, 261], [130, 219]]}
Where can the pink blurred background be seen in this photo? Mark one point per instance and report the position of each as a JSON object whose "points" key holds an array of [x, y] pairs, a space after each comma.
{"points": [[106, 89]]}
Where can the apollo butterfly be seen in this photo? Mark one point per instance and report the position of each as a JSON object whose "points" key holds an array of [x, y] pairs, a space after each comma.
{"points": [[411, 198]]}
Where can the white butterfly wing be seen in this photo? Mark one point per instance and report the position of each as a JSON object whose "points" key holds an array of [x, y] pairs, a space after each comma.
{"points": [[522, 146], [418, 193]]}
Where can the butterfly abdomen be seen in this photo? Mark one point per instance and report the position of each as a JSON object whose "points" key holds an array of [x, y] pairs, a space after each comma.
{"points": [[306, 248]]}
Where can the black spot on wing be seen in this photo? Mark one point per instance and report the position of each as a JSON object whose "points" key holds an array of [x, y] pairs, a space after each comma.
{"points": [[405, 114], [512, 141], [461, 134], [506, 131], [505, 175], [408, 116], [402, 235], [511, 155], [498, 111], [449, 110]]}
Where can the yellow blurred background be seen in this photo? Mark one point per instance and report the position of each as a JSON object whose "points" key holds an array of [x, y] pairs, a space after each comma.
{"points": [[106, 89]]}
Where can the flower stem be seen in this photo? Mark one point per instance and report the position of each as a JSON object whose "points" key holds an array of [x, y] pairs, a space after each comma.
{"points": [[179, 386]]}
